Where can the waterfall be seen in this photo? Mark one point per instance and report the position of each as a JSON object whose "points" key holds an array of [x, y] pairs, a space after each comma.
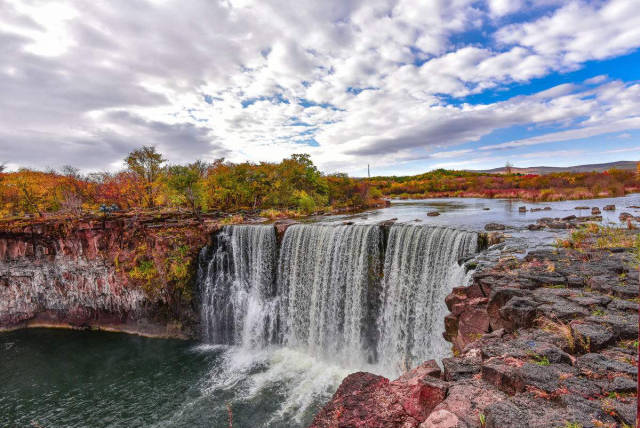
{"points": [[350, 294], [327, 286], [237, 281], [420, 268]]}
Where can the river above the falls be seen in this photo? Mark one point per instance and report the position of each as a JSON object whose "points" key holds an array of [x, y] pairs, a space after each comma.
{"points": [[59, 378], [474, 213]]}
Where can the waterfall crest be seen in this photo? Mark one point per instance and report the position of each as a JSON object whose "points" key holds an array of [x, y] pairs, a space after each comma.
{"points": [[351, 294]]}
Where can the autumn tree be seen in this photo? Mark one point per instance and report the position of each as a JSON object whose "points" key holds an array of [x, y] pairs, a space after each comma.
{"points": [[146, 163], [186, 184]]}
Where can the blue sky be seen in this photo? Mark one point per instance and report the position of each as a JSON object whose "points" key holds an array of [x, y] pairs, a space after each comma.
{"points": [[401, 85]]}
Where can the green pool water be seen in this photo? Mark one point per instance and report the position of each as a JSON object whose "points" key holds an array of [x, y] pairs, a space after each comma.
{"points": [[62, 378]]}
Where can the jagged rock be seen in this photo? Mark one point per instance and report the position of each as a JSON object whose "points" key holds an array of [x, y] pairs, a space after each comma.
{"points": [[463, 405], [623, 326], [625, 216], [519, 312], [367, 400], [623, 305], [504, 376], [282, 226], [494, 226], [428, 368], [621, 384], [505, 414], [591, 337], [494, 238], [460, 368], [498, 298], [625, 412], [595, 211], [535, 227], [600, 364]]}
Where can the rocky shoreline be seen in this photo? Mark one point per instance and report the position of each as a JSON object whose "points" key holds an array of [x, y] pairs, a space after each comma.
{"points": [[546, 341]]}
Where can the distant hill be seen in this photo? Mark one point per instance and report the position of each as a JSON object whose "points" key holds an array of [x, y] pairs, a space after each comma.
{"points": [[597, 167]]}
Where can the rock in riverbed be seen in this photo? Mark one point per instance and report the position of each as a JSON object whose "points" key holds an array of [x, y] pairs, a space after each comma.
{"points": [[494, 226]]}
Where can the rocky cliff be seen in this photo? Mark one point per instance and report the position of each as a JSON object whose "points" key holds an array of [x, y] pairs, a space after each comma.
{"points": [[126, 273], [547, 341]]}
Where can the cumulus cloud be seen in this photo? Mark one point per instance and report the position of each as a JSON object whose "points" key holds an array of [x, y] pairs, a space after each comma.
{"points": [[85, 82]]}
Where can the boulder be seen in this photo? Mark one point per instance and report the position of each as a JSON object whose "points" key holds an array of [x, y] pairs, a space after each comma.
{"points": [[625, 216], [595, 211], [433, 213], [282, 225], [442, 419], [591, 337], [494, 226], [519, 312], [609, 207], [522, 209], [460, 368]]}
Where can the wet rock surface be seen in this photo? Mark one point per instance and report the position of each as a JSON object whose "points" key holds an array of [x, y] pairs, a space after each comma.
{"points": [[549, 340]]}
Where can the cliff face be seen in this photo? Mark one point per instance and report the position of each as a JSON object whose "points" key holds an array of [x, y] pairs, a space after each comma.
{"points": [[132, 274]]}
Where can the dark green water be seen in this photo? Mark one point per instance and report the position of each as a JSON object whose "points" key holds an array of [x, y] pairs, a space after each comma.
{"points": [[61, 378]]}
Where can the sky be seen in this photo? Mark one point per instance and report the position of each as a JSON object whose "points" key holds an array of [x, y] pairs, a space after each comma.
{"points": [[405, 86]]}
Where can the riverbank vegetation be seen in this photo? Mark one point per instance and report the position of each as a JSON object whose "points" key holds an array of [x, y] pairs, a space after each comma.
{"points": [[290, 188], [529, 187]]}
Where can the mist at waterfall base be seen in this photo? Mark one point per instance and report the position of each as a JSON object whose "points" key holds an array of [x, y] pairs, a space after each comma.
{"points": [[333, 299], [283, 324]]}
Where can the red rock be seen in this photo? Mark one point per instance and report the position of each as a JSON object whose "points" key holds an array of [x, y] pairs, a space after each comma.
{"points": [[428, 368], [502, 375], [441, 419], [364, 400], [367, 400], [419, 394]]}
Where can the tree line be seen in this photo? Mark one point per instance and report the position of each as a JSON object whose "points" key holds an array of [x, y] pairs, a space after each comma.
{"points": [[149, 182], [291, 187]]}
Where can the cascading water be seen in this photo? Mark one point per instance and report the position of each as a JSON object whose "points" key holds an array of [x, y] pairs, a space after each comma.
{"points": [[334, 292], [327, 282], [420, 269], [237, 281]]}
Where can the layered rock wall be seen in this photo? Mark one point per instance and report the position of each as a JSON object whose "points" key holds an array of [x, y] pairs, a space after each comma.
{"points": [[128, 273]]}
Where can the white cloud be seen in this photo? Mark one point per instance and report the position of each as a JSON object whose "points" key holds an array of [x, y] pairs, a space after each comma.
{"points": [[369, 81]]}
